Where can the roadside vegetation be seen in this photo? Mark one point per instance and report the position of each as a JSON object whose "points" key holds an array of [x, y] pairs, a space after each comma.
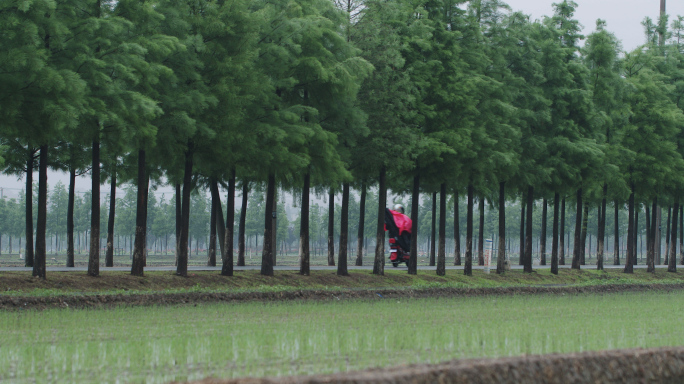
{"points": [[113, 282]]}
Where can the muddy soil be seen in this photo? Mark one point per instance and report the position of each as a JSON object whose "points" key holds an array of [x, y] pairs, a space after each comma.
{"points": [[630, 366], [8, 302]]}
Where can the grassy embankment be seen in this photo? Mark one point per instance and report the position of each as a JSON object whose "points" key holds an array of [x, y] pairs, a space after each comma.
{"points": [[159, 344], [112, 282]]}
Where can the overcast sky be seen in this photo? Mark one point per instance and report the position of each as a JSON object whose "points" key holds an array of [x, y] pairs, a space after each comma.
{"points": [[623, 17]]}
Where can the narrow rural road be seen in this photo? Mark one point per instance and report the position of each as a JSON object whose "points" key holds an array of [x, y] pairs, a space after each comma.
{"points": [[314, 268]]}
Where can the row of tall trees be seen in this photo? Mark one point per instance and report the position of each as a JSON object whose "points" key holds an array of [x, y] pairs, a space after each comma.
{"points": [[449, 97]]}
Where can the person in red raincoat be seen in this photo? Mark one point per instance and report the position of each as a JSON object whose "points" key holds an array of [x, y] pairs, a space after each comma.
{"points": [[399, 227]]}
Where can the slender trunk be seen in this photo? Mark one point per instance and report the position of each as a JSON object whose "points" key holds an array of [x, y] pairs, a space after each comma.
{"points": [[211, 260], [441, 255], [179, 219], [274, 226], [681, 234], [522, 230], [415, 196], [267, 252], [501, 256], [94, 257], [542, 240], [554, 240], [360, 234], [650, 252], [576, 249], [70, 218], [616, 244], [636, 231], [672, 266], [182, 268], [667, 236], [220, 226], [109, 255], [433, 230], [304, 256], [379, 262], [227, 241], [331, 227], [344, 229], [457, 232], [601, 230], [29, 212], [480, 235], [137, 267], [468, 270], [629, 268], [39, 262], [561, 235], [528, 229], [585, 224], [241, 229]]}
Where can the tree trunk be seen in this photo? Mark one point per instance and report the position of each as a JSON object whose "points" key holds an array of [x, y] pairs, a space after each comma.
{"points": [[554, 235], [672, 266], [274, 226], [576, 248], [220, 223], [304, 256], [650, 252], [501, 256], [658, 234], [39, 262], [636, 236], [227, 241], [182, 268], [601, 230], [616, 235], [267, 252], [94, 257], [179, 219], [542, 240], [441, 255], [241, 229], [70, 218], [630, 234], [561, 235], [331, 227], [585, 224], [480, 235], [360, 234], [522, 230], [28, 261], [468, 270], [137, 267], [667, 236], [109, 255], [433, 229], [379, 262], [344, 230], [681, 235], [211, 260], [415, 196], [528, 229], [457, 232]]}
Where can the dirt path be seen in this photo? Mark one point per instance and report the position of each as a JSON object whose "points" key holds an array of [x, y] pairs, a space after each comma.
{"points": [[194, 298]]}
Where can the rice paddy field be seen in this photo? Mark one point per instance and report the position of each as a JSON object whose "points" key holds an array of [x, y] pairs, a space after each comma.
{"points": [[161, 344]]}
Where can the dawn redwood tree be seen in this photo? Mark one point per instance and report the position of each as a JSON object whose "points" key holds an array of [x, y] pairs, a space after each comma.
{"points": [[386, 32], [36, 33]]}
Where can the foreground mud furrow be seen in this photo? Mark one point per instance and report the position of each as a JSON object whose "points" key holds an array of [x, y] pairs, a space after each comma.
{"points": [[192, 298], [630, 366]]}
